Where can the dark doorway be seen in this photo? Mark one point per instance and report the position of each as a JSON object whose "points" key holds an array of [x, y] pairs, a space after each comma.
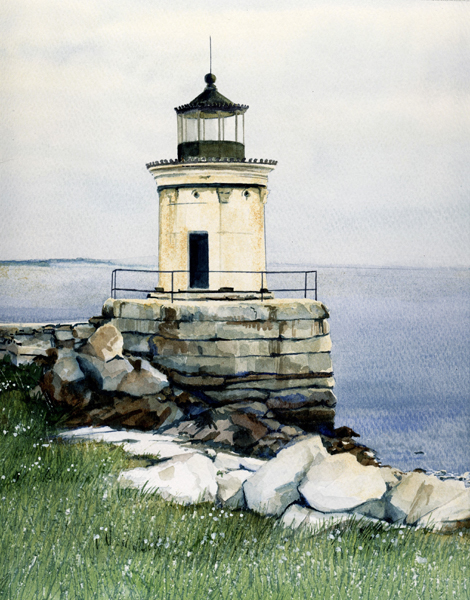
{"points": [[198, 260]]}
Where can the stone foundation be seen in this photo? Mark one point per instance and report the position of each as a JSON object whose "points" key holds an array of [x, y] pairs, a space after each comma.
{"points": [[276, 352]]}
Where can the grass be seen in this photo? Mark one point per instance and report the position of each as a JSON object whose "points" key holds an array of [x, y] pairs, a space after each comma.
{"points": [[69, 532]]}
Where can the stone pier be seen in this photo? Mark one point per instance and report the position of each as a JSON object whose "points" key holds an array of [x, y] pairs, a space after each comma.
{"points": [[275, 352]]}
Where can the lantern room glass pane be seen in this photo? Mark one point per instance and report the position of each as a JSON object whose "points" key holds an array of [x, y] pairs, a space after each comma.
{"points": [[229, 128], [190, 130], [210, 129]]}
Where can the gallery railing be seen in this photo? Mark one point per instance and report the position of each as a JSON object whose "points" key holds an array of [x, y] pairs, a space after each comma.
{"points": [[308, 279]]}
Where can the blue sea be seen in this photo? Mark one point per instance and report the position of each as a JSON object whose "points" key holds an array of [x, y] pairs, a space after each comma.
{"points": [[401, 345]]}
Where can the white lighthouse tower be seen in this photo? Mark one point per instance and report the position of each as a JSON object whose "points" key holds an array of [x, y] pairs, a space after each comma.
{"points": [[211, 219]]}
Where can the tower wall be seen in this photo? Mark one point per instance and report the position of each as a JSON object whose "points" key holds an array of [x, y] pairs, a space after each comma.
{"points": [[226, 201]]}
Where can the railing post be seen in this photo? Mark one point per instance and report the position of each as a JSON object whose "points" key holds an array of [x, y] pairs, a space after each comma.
{"points": [[305, 284], [316, 286], [172, 273], [262, 286]]}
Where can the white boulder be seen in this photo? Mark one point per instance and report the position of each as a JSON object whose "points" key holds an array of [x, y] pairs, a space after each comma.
{"points": [[230, 488], [340, 483], [450, 516], [419, 494], [274, 485], [189, 479]]}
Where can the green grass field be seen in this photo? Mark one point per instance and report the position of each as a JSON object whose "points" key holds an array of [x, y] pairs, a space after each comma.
{"points": [[69, 532]]}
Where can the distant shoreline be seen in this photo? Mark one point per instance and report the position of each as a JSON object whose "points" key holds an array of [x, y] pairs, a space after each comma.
{"points": [[153, 261]]}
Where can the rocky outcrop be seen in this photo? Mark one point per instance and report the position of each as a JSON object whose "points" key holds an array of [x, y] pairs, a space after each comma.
{"points": [[190, 473], [89, 369], [215, 357]]}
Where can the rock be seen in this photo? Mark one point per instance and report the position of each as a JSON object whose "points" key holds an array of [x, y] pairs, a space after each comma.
{"points": [[145, 413], [235, 395], [107, 375], [188, 479], [391, 476], [188, 364], [159, 449], [236, 425], [291, 430], [300, 398], [345, 432], [230, 488], [226, 461], [64, 334], [450, 516], [25, 354], [271, 424], [309, 419], [376, 509], [419, 494], [64, 382], [274, 486], [106, 343], [297, 516], [340, 483], [143, 380], [135, 343], [251, 429], [82, 331], [67, 369]]}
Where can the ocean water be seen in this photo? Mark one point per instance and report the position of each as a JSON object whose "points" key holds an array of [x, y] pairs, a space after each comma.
{"points": [[401, 345]]}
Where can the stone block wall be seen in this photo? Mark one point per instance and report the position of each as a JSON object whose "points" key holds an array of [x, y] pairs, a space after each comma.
{"points": [[24, 342], [275, 352]]}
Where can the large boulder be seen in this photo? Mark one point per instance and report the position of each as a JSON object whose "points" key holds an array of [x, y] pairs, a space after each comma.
{"points": [[106, 343], [143, 380], [340, 483], [450, 516], [274, 486], [187, 479], [106, 375], [419, 494]]}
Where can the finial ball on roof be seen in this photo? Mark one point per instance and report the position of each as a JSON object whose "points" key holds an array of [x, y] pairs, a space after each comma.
{"points": [[210, 78]]}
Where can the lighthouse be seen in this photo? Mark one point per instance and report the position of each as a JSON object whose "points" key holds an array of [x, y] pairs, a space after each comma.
{"points": [[212, 204], [213, 326]]}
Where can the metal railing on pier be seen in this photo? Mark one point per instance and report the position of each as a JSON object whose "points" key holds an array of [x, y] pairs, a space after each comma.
{"points": [[308, 284]]}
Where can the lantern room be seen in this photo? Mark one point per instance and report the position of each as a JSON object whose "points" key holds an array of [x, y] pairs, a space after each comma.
{"points": [[211, 126]]}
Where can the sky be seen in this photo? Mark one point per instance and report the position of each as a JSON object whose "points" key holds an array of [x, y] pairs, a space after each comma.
{"points": [[364, 104]]}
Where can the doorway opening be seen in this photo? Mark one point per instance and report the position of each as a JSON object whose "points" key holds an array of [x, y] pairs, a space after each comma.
{"points": [[199, 260]]}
